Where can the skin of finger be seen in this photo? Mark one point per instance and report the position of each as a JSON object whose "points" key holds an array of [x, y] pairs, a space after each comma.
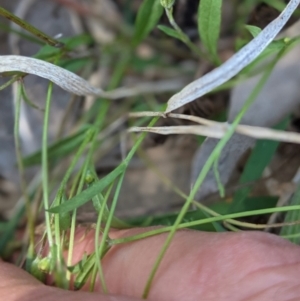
{"points": [[200, 265], [17, 285]]}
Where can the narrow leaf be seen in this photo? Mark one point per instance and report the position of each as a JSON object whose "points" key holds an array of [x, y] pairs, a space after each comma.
{"points": [[148, 15], [169, 31], [254, 30], [209, 23], [89, 193]]}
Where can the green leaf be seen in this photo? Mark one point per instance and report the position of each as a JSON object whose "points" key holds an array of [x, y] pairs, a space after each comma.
{"points": [[76, 41], [260, 158], [148, 15], [89, 193], [209, 24], [169, 31], [254, 30]]}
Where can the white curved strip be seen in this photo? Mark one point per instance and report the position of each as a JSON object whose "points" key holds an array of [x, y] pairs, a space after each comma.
{"points": [[61, 77]]}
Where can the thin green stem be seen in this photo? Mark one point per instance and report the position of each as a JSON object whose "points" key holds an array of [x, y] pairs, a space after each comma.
{"points": [[98, 246], [71, 242], [202, 222], [81, 174], [30, 218], [87, 161], [9, 82], [45, 181]]}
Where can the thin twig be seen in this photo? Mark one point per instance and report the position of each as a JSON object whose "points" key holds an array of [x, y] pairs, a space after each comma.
{"points": [[213, 129]]}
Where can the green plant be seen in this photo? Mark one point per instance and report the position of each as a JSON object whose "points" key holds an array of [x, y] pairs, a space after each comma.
{"points": [[79, 182]]}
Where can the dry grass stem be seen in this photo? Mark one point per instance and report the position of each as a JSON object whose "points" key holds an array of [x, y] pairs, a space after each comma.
{"points": [[213, 129]]}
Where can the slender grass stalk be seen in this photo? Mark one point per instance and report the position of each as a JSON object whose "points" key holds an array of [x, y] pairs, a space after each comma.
{"points": [[98, 246], [30, 217], [61, 280], [45, 181], [225, 217], [73, 220], [111, 212], [81, 176], [59, 196], [9, 82]]}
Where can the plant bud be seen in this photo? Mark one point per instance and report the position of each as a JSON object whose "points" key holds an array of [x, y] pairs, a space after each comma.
{"points": [[44, 264]]}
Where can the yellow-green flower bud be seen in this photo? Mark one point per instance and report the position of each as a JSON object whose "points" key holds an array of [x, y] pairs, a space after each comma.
{"points": [[44, 264], [35, 271], [89, 177]]}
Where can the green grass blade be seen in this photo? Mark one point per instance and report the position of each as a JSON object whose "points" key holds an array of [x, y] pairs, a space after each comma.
{"points": [[148, 15], [168, 219], [89, 193], [169, 31]]}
